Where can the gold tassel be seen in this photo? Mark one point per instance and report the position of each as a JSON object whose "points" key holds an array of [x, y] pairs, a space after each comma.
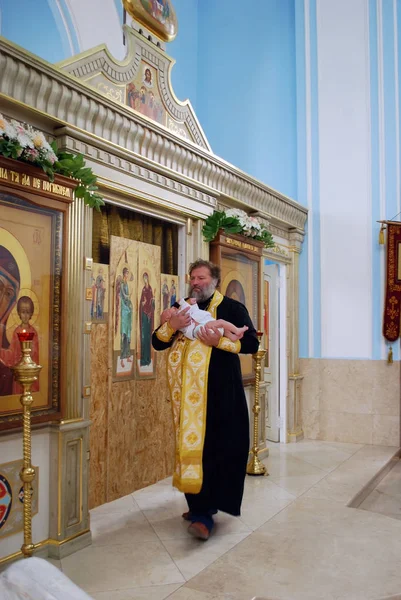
{"points": [[390, 356], [381, 235]]}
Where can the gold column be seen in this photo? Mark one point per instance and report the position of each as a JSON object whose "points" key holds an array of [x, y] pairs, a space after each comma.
{"points": [[294, 429], [26, 373], [255, 466], [69, 439], [197, 247], [75, 303]]}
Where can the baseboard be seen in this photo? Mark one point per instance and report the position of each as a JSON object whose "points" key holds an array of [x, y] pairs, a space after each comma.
{"points": [[52, 548]]}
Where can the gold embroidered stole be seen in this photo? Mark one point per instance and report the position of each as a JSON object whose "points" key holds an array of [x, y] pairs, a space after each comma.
{"points": [[187, 370]]}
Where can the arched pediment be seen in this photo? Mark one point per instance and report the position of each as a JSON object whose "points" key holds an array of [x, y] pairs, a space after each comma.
{"points": [[141, 81]]}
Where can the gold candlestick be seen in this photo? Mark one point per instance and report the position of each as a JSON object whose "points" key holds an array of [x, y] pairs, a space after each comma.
{"points": [[26, 372], [255, 466]]}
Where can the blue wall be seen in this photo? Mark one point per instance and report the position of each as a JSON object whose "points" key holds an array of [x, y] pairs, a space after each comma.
{"points": [[247, 87], [235, 63], [45, 29], [184, 49]]}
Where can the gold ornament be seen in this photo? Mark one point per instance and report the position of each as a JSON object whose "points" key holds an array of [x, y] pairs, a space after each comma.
{"points": [[26, 372], [255, 465]]}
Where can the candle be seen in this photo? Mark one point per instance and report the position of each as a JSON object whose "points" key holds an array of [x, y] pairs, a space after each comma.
{"points": [[25, 336]]}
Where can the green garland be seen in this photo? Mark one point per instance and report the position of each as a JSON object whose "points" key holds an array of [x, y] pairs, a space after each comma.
{"points": [[231, 224], [219, 220], [73, 165]]}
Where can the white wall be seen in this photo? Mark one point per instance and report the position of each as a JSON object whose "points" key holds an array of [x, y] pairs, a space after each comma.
{"points": [[344, 174], [349, 165]]}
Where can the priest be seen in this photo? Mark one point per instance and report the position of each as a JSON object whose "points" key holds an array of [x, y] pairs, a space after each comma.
{"points": [[210, 412]]}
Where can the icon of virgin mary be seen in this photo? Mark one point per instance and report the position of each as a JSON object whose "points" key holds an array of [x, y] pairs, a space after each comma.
{"points": [[9, 289]]}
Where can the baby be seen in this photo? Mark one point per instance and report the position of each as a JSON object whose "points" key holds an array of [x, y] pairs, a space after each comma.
{"points": [[199, 318]]}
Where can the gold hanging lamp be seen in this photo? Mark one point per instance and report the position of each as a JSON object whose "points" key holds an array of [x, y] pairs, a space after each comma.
{"points": [[381, 234]]}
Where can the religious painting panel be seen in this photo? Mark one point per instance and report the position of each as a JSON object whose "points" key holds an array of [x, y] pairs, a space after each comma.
{"points": [[240, 281], [157, 15], [100, 293], [123, 282], [143, 94], [170, 284], [12, 498], [30, 299], [148, 308]]}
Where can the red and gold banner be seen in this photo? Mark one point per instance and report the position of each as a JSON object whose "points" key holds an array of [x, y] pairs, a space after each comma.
{"points": [[391, 318]]}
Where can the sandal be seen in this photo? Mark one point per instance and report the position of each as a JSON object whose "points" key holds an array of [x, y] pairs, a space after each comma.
{"points": [[199, 530]]}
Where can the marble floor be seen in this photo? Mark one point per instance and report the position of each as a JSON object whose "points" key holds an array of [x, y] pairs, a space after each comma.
{"points": [[297, 538], [385, 499]]}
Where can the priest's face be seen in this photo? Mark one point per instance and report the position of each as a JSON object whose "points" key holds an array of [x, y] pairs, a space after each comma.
{"points": [[201, 284]]}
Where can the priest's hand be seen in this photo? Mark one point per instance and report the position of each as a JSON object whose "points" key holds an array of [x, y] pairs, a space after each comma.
{"points": [[180, 319], [167, 314], [210, 336]]}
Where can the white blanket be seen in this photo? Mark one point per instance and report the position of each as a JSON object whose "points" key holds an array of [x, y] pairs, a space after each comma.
{"points": [[36, 579]]}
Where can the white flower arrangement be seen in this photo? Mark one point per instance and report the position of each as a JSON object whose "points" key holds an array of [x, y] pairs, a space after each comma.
{"points": [[22, 142], [25, 143], [235, 220], [250, 225]]}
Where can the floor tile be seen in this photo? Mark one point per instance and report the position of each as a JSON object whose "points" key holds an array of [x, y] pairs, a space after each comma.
{"points": [[192, 556], [170, 527], [298, 484], [156, 592], [391, 483], [382, 503], [295, 528], [121, 528], [326, 458], [311, 551], [186, 593], [100, 569], [121, 505], [287, 465], [386, 497], [262, 500]]}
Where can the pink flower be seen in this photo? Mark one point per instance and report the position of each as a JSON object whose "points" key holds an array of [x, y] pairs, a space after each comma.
{"points": [[51, 157], [31, 154]]}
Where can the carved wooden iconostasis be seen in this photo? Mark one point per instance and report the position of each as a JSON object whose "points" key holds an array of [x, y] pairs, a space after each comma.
{"points": [[93, 284], [131, 436]]}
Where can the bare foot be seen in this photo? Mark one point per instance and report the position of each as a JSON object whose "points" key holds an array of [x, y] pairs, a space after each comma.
{"points": [[129, 359], [122, 364]]}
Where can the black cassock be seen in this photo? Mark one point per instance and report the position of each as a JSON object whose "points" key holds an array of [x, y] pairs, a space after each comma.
{"points": [[226, 446]]}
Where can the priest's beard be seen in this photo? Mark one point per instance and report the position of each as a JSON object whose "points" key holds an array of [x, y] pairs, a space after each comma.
{"points": [[201, 295]]}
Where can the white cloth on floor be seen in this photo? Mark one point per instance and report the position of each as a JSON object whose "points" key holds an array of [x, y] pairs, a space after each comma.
{"points": [[36, 579]]}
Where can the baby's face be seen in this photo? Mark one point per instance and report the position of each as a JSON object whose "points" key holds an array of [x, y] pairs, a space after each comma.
{"points": [[25, 313]]}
